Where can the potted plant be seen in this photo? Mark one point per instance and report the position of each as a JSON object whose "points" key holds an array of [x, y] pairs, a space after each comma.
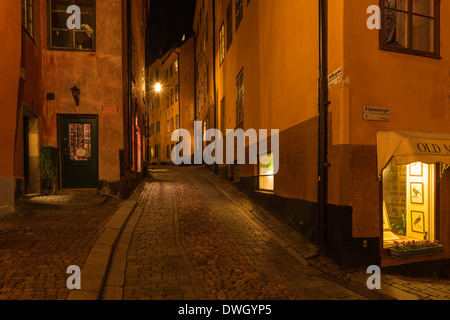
{"points": [[49, 161], [399, 227], [406, 249]]}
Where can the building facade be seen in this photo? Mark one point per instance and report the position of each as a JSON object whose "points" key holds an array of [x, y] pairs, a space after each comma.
{"points": [[388, 88], [171, 107], [81, 89]]}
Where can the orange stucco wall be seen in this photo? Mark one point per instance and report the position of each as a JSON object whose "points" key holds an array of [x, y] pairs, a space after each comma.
{"points": [[10, 56], [99, 76]]}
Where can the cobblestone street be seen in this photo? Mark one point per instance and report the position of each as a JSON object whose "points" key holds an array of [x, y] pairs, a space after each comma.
{"points": [[192, 242], [37, 246]]}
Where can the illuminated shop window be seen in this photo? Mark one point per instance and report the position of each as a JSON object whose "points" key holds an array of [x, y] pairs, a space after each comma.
{"points": [[408, 203], [266, 173]]}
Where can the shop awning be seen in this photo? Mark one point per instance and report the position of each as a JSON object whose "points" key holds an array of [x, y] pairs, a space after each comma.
{"points": [[407, 147]]}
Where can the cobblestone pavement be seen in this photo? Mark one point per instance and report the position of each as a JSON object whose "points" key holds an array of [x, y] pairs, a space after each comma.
{"points": [[396, 286], [192, 242], [37, 246]]}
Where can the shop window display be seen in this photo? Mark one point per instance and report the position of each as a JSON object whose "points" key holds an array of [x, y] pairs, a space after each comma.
{"points": [[408, 203]]}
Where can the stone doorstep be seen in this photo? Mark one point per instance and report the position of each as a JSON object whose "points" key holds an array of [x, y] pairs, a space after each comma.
{"points": [[58, 205], [93, 274]]}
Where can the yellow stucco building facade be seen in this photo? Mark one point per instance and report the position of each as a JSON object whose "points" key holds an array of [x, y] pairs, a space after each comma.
{"points": [[389, 84]]}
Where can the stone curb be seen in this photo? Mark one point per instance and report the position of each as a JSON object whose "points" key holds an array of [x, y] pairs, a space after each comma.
{"points": [[93, 274]]}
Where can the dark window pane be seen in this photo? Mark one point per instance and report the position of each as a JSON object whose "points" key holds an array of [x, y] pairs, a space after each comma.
{"points": [[423, 39], [61, 4], [424, 7], [87, 22], [59, 20], [83, 41], [85, 5], [60, 39], [397, 4]]}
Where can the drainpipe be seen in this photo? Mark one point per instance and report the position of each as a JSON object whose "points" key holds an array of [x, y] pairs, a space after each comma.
{"points": [[130, 89], [323, 127], [179, 91], [214, 77]]}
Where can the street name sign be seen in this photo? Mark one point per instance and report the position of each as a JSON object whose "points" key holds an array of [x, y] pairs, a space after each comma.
{"points": [[335, 78], [371, 113]]}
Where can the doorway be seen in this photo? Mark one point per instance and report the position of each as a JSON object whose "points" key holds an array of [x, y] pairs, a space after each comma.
{"points": [[79, 152]]}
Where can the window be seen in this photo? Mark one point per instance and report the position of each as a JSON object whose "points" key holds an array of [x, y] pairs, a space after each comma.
{"points": [[172, 97], [229, 25], [80, 142], [408, 203], [266, 172], [222, 116], [172, 125], [411, 26], [177, 120], [239, 13], [158, 127], [222, 43], [168, 126], [152, 129], [240, 99], [175, 65], [63, 38], [27, 16], [177, 93]]}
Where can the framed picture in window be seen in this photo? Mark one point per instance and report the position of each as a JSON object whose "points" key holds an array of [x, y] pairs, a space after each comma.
{"points": [[417, 193], [416, 169], [418, 221]]}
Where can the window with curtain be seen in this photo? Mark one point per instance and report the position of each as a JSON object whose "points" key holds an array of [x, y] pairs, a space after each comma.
{"points": [[411, 26]]}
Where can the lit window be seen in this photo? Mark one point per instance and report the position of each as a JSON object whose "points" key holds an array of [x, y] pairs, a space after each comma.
{"points": [[266, 173], [408, 203], [222, 43], [240, 99]]}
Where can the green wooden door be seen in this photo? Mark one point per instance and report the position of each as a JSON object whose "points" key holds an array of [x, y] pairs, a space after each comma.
{"points": [[79, 152]]}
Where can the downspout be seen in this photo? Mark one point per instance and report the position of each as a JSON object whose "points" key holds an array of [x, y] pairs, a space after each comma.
{"points": [[323, 164], [179, 93], [130, 89], [195, 77], [214, 77]]}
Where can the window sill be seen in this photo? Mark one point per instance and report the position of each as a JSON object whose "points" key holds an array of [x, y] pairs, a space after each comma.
{"points": [[400, 254], [265, 192], [71, 50], [424, 54]]}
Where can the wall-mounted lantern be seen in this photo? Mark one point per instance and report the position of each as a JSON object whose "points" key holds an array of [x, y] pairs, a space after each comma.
{"points": [[76, 95]]}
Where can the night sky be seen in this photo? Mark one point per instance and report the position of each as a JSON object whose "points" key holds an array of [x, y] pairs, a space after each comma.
{"points": [[169, 20]]}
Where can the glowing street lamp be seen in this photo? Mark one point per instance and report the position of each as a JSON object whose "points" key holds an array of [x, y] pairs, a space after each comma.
{"points": [[158, 87]]}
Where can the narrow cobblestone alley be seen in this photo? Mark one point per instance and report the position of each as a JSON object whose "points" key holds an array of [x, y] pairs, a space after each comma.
{"points": [[190, 242]]}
